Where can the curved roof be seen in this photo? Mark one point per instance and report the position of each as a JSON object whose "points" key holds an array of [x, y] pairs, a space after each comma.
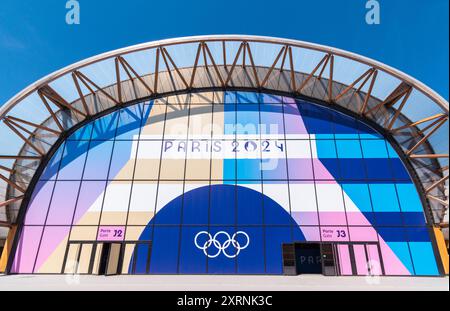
{"points": [[406, 110]]}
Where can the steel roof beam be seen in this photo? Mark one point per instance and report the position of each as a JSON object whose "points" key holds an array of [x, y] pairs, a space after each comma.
{"points": [[275, 62], [12, 184], [128, 68], [305, 82], [86, 81], [216, 68], [41, 127], [352, 85], [26, 140], [238, 53]]}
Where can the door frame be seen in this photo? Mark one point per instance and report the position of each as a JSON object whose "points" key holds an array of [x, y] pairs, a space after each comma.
{"points": [[334, 246]]}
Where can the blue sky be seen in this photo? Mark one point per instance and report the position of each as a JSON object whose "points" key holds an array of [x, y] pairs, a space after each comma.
{"points": [[35, 40]]}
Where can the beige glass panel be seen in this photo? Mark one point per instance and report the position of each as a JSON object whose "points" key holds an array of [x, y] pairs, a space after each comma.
{"points": [[154, 125], [113, 259], [83, 233], [134, 233], [148, 159], [97, 258], [218, 121], [85, 259], [116, 201], [142, 205], [72, 256]]}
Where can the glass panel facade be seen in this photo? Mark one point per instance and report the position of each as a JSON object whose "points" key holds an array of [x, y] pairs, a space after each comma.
{"points": [[217, 183]]}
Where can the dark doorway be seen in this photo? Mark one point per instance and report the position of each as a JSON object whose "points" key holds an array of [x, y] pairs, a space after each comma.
{"points": [[104, 258], [110, 259], [308, 258]]}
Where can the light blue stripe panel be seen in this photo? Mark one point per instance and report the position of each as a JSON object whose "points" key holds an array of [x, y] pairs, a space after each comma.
{"points": [[402, 251], [409, 198], [248, 97], [423, 258], [229, 98], [248, 169], [326, 149], [346, 136], [374, 148], [384, 198], [348, 149], [359, 194], [229, 169], [391, 152]]}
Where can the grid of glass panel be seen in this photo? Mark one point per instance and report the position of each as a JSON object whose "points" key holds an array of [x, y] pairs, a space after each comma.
{"points": [[173, 172]]}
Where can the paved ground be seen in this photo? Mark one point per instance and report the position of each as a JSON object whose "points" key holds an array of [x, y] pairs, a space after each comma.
{"points": [[205, 283]]}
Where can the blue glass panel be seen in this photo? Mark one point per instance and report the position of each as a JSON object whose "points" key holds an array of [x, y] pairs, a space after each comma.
{"points": [[249, 169], [247, 119], [53, 165], [317, 120], [423, 258], [98, 160], [105, 127], [359, 194], [170, 214], [164, 258], [399, 170], [401, 249], [247, 97], [250, 259], [389, 218], [274, 214], [332, 165], [391, 151], [374, 148], [348, 149], [275, 237], [414, 218], [392, 234], [378, 169], [384, 198], [129, 124], [230, 119], [229, 169], [352, 169], [197, 206], [142, 258], [270, 99], [192, 259], [418, 234], [345, 127], [409, 198], [249, 209], [73, 160], [223, 206], [326, 149], [221, 264], [229, 98], [83, 133], [366, 132]]}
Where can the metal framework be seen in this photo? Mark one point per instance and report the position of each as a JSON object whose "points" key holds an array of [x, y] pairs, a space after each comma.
{"points": [[409, 113]]}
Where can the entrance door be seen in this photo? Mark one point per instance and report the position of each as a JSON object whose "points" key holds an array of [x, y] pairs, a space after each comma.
{"points": [[328, 252], [93, 258], [78, 258], [308, 258], [110, 259], [360, 259]]}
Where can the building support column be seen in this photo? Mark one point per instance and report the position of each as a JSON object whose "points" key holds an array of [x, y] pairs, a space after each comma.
{"points": [[7, 248]]}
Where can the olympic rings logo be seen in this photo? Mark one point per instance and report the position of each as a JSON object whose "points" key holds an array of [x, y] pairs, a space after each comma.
{"points": [[222, 242]]}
